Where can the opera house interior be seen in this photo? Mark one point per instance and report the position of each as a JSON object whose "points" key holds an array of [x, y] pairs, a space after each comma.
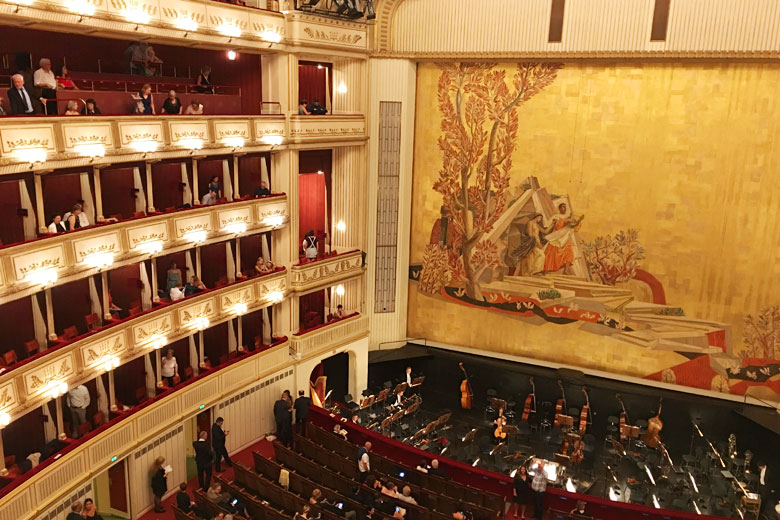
{"points": [[389, 259]]}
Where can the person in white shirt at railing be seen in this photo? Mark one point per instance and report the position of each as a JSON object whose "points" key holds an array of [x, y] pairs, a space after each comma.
{"points": [[77, 400], [45, 80], [195, 109], [169, 369]]}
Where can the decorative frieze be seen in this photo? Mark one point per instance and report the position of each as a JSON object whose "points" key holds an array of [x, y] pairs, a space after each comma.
{"points": [[51, 257], [105, 244], [53, 371], [327, 128], [326, 272], [94, 353]]}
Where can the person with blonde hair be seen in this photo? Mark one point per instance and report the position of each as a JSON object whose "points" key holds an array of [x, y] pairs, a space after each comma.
{"points": [[72, 108], [159, 483]]}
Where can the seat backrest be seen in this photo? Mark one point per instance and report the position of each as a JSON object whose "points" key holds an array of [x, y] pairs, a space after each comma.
{"points": [[9, 358], [139, 214], [32, 347], [188, 373], [140, 393], [70, 332], [92, 320], [83, 429], [98, 419]]}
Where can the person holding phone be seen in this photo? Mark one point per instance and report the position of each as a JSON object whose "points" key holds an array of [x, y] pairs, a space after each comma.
{"points": [[218, 437]]}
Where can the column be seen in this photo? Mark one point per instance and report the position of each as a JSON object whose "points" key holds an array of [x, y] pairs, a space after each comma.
{"points": [[197, 264], [240, 334], [236, 195], [155, 293], [98, 194], [3, 471], [200, 350], [106, 295], [157, 366], [284, 178], [111, 391], [149, 189], [39, 203], [60, 429], [50, 315], [349, 197], [195, 194], [238, 257]]}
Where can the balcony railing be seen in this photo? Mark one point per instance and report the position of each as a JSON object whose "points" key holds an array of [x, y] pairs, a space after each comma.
{"points": [[326, 271], [26, 387], [31, 493], [327, 128], [69, 254], [328, 335]]}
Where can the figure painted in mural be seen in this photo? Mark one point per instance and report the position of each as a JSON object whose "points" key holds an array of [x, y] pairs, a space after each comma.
{"points": [[559, 254], [524, 255]]}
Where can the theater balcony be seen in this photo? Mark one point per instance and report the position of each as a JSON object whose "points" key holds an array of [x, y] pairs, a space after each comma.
{"points": [[81, 253], [321, 338], [335, 130], [325, 271], [71, 363]]}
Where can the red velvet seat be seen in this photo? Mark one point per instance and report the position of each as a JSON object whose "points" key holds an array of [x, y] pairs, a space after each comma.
{"points": [[83, 429], [98, 419], [9, 358], [188, 373], [140, 394], [92, 321], [139, 214], [32, 347], [69, 333]]}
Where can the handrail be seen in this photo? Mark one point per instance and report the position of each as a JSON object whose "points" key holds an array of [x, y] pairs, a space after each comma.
{"points": [[326, 256], [323, 325]]}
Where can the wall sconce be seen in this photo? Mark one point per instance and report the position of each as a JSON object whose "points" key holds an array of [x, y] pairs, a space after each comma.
{"points": [[144, 146], [151, 247], [56, 388], [229, 30], [201, 323], [186, 24], [5, 419], [319, 66], [90, 150], [274, 220], [234, 142], [276, 296], [273, 140], [82, 7], [196, 237], [235, 228], [158, 341], [271, 36], [43, 277], [99, 259], [109, 363], [342, 88], [191, 143], [231, 55], [341, 226], [240, 308], [340, 290], [31, 155], [135, 15]]}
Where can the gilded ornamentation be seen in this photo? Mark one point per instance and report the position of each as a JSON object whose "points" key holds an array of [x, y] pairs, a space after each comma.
{"points": [[206, 311], [43, 264], [105, 348], [149, 238], [142, 136], [244, 297], [232, 133], [51, 373], [332, 36], [189, 134], [194, 227], [22, 143], [103, 248], [144, 334], [5, 396], [88, 139]]}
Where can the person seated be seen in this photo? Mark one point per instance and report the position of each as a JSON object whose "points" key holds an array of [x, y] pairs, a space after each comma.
{"points": [[209, 199], [262, 190], [316, 108], [195, 109], [436, 471], [21, 98], [215, 186], [183, 500], [56, 225], [63, 80], [113, 309], [216, 495], [90, 511], [316, 497], [75, 511], [152, 61], [203, 84], [406, 496], [390, 490], [72, 108], [579, 509], [302, 110], [462, 514], [2, 110], [194, 286], [263, 267], [422, 466], [303, 514], [145, 104], [72, 219], [176, 293], [172, 104], [90, 108], [339, 314]]}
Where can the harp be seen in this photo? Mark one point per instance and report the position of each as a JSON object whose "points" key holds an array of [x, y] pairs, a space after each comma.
{"points": [[317, 391]]}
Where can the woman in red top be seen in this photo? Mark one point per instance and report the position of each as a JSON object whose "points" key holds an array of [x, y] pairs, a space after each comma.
{"points": [[64, 81]]}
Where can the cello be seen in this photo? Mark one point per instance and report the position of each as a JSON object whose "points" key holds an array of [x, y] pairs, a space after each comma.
{"points": [[531, 399], [584, 413], [578, 454], [654, 425], [498, 425], [560, 406], [465, 390]]}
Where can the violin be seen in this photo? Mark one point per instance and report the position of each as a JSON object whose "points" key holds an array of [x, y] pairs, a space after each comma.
{"points": [[560, 406], [466, 395], [498, 429], [654, 426], [584, 413], [623, 418], [531, 399], [577, 453]]}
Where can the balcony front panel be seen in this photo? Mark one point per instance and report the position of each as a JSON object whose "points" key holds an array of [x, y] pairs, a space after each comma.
{"points": [[82, 360], [343, 37], [71, 255], [328, 336], [95, 454], [201, 22], [330, 128], [46, 143], [326, 272]]}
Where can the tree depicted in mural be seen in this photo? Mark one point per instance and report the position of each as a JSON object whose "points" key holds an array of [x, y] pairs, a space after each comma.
{"points": [[614, 260], [762, 333], [479, 130]]}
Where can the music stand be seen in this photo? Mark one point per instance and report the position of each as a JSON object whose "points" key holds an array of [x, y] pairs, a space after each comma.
{"points": [[400, 388], [417, 381], [381, 396]]}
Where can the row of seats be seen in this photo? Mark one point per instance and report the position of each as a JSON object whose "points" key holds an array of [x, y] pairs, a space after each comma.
{"points": [[483, 500]]}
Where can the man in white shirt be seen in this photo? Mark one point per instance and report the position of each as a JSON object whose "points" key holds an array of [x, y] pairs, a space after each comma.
{"points": [[195, 109], [409, 376], [364, 465], [176, 294], [406, 496], [44, 79], [763, 487], [77, 400], [209, 199]]}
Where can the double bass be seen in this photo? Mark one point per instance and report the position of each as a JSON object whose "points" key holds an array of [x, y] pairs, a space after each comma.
{"points": [[654, 426], [530, 400], [466, 394], [623, 418], [498, 425], [585, 413], [560, 406]]}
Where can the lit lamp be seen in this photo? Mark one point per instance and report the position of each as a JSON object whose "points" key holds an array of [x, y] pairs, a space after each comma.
{"points": [[341, 226], [90, 150], [271, 36], [99, 259], [339, 290], [31, 155], [273, 140], [196, 237], [274, 220], [144, 145], [240, 308], [342, 88], [229, 30], [158, 341], [276, 296], [43, 277], [151, 247], [109, 363], [234, 141], [5, 419], [82, 7], [235, 228], [191, 143], [231, 55], [135, 15], [56, 388], [186, 24], [201, 323]]}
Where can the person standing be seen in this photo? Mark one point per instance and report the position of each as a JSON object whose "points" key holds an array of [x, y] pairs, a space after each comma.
{"points": [[520, 492], [408, 378], [159, 483], [218, 436], [45, 80], [539, 487], [204, 458], [169, 368], [764, 488], [364, 463], [283, 416], [302, 404], [77, 400]]}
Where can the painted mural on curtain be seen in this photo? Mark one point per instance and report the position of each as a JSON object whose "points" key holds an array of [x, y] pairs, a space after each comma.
{"points": [[507, 252]]}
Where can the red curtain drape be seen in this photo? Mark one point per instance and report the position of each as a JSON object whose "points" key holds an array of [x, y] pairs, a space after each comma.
{"points": [[310, 310], [311, 82], [166, 180], [311, 203], [12, 230]]}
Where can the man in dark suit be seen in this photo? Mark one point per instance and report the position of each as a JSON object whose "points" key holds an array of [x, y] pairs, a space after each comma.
{"points": [[283, 416], [183, 500], [218, 436], [765, 490], [204, 458], [301, 406], [21, 99]]}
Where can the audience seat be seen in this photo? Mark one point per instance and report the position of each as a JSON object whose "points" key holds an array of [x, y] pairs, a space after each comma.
{"points": [[139, 214], [69, 333], [188, 373], [98, 419], [9, 358], [140, 394], [32, 347], [83, 429], [92, 321]]}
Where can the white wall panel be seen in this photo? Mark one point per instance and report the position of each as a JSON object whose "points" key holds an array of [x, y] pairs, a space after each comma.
{"points": [[61, 508], [169, 444]]}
